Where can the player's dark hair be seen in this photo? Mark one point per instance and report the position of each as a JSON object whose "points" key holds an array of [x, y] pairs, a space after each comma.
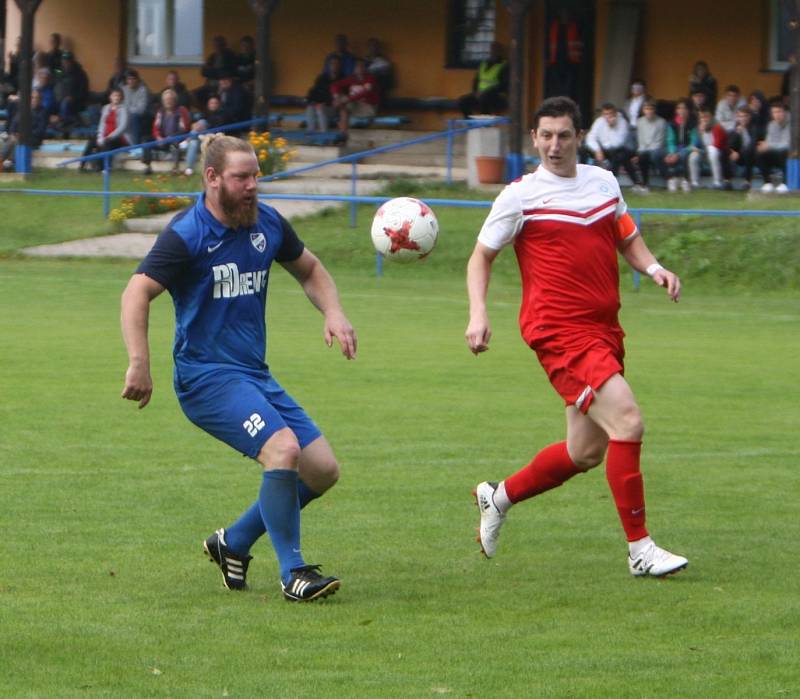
{"points": [[556, 107]]}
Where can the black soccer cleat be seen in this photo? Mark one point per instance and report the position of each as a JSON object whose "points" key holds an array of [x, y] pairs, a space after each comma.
{"points": [[232, 565], [307, 584]]}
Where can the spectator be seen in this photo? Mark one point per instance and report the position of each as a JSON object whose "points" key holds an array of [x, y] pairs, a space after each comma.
{"points": [[651, 139], [171, 120], [137, 99], [211, 119], [13, 64], [680, 136], [72, 91], [221, 61], [711, 146], [41, 65], [55, 55], [44, 81], [727, 106], [7, 86], [173, 82], [235, 101], [699, 100], [701, 80], [111, 129], [771, 153], [346, 59], [379, 66], [246, 63], [355, 96], [608, 140], [38, 131], [117, 79], [489, 86], [742, 141], [759, 108], [634, 105], [319, 100]]}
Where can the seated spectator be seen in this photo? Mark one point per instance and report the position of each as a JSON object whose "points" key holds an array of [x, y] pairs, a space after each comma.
{"points": [[355, 96], [379, 66], [772, 152], [13, 64], [489, 86], [319, 100], [699, 100], [711, 146], [680, 137], [137, 99], [40, 67], [10, 141], [246, 63], [111, 130], [117, 79], [7, 87], [211, 119], [742, 142], [72, 91], [171, 120], [759, 108], [173, 82], [634, 105], [221, 61], [54, 56], [235, 101], [346, 59], [44, 81], [701, 80], [725, 113], [651, 140], [608, 140]]}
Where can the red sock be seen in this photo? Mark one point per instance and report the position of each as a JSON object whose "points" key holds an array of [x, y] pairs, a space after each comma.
{"points": [[627, 487], [549, 469]]}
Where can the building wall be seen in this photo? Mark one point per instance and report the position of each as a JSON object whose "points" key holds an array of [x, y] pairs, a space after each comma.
{"points": [[731, 37]]}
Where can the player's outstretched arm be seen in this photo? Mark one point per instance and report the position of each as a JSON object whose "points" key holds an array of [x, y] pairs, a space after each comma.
{"points": [[479, 269], [321, 291], [135, 313], [638, 256]]}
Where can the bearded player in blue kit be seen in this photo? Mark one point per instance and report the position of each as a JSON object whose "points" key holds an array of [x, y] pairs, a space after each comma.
{"points": [[214, 259]]}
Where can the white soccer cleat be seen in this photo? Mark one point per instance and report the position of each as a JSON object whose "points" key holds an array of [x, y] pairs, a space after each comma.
{"points": [[656, 562], [491, 518], [768, 188], [781, 188]]}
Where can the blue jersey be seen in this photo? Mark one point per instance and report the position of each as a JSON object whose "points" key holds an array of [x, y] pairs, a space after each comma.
{"points": [[217, 277]]}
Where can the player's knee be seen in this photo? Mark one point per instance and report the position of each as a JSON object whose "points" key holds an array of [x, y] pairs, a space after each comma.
{"points": [[629, 424], [329, 472], [587, 456], [280, 452]]}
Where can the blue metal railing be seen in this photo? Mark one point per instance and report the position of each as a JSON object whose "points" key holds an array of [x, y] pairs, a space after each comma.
{"points": [[107, 156]]}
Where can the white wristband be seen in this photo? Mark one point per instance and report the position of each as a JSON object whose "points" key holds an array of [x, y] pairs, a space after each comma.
{"points": [[652, 269]]}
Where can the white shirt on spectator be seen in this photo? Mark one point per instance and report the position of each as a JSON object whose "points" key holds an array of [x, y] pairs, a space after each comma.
{"points": [[603, 137]]}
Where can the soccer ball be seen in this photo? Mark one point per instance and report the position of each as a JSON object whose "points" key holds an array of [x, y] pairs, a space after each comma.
{"points": [[404, 229]]}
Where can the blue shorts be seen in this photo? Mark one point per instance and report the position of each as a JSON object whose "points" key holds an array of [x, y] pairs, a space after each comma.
{"points": [[244, 411]]}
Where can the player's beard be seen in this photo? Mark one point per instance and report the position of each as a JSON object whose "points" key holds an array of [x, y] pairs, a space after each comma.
{"points": [[238, 210]]}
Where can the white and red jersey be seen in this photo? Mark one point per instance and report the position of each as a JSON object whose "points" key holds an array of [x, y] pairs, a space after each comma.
{"points": [[565, 233]]}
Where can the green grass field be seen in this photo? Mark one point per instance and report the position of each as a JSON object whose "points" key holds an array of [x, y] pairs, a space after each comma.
{"points": [[104, 590]]}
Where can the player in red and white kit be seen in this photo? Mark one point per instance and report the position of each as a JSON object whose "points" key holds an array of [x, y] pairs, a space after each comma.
{"points": [[566, 222]]}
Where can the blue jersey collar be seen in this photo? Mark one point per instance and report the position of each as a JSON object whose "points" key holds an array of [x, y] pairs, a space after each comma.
{"points": [[217, 228]]}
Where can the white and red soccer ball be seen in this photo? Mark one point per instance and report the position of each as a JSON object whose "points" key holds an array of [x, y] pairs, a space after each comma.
{"points": [[404, 229]]}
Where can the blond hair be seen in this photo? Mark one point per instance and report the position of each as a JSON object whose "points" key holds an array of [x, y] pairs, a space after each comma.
{"points": [[216, 147]]}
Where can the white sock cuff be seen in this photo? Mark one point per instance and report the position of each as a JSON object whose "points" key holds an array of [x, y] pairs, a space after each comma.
{"points": [[501, 501]]}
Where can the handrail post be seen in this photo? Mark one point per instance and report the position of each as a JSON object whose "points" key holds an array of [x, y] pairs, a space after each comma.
{"points": [[450, 138], [106, 186], [353, 205]]}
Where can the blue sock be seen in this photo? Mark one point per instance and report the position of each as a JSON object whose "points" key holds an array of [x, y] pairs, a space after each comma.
{"points": [[245, 531], [280, 510], [249, 528], [305, 494]]}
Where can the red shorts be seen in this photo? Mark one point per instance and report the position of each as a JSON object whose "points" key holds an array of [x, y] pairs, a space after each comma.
{"points": [[577, 365]]}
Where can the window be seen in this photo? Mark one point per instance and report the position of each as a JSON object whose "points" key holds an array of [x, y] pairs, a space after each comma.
{"points": [[471, 30], [165, 31], [781, 36]]}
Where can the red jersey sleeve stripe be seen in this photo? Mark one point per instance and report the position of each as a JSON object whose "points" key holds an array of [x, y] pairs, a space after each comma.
{"points": [[567, 212]]}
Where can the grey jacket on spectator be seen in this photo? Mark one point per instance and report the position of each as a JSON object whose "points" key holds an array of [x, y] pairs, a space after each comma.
{"points": [[726, 115], [122, 122], [136, 100], [651, 135], [779, 137]]}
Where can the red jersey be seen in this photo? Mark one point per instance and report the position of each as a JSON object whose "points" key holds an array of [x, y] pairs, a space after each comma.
{"points": [[565, 234], [363, 89]]}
